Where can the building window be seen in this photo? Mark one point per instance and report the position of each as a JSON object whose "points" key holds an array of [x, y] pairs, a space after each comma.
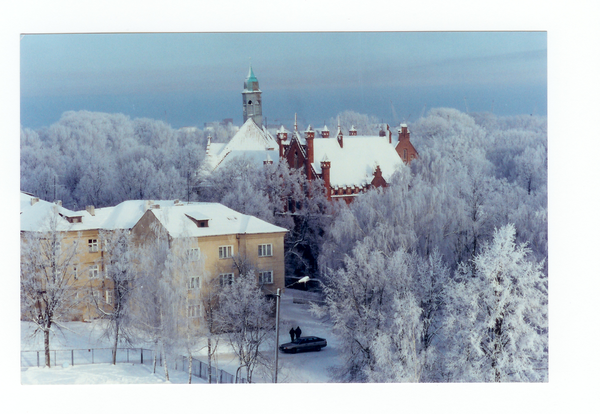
{"points": [[194, 282], [405, 155], [109, 297], [225, 252], [225, 279], [193, 311], [194, 254], [96, 295], [94, 272], [265, 250], [265, 278], [93, 245]]}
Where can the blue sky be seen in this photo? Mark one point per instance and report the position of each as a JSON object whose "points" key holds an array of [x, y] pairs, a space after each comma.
{"points": [[192, 78]]}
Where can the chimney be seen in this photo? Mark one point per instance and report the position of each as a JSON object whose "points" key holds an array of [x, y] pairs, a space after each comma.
{"points": [[34, 200], [91, 210], [325, 175], [325, 132], [268, 160], [403, 132], [352, 131], [58, 203], [309, 135]]}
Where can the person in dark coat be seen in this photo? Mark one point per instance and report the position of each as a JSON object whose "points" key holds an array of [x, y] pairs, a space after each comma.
{"points": [[292, 333], [298, 332]]}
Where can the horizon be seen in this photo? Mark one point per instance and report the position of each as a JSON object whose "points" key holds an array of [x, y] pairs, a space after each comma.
{"points": [[189, 79]]}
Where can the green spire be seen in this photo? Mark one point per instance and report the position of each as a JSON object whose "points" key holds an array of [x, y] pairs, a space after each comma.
{"points": [[251, 83]]}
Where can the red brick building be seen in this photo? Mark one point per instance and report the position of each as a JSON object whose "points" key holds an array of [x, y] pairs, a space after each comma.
{"points": [[348, 165]]}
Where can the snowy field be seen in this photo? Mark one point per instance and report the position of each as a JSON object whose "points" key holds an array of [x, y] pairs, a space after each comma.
{"points": [[309, 367]]}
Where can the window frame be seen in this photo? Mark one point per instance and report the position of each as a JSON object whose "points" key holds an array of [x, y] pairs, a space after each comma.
{"points": [[223, 282], [263, 247], [93, 246], [194, 254], [193, 282], [94, 271], [261, 277], [109, 296], [226, 251]]}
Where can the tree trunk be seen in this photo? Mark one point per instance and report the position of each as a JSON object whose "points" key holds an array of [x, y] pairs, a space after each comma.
{"points": [[166, 367], [114, 356], [47, 346], [154, 360], [189, 368], [209, 362]]}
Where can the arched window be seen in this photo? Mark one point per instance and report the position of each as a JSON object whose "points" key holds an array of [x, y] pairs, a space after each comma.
{"points": [[405, 154]]}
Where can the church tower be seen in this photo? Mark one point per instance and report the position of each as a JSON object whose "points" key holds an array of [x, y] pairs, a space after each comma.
{"points": [[251, 99]]}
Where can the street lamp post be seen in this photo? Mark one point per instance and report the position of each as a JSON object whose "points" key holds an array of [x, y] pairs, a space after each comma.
{"points": [[277, 334]]}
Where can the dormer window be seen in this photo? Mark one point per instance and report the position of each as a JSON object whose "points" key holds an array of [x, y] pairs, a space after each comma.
{"points": [[198, 219]]}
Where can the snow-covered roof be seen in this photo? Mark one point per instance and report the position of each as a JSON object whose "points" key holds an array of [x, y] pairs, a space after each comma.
{"points": [[255, 157], [222, 221], [249, 138], [355, 163], [121, 216]]}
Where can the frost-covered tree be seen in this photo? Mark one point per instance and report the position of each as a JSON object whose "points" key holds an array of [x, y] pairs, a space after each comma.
{"points": [[364, 124], [184, 271], [244, 316], [48, 293], [497, 316], [120, 264], [375, 309], [154, 296]]}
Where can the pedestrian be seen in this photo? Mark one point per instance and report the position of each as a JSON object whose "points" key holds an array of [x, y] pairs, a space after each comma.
{"points": [[292, 333], [298, 332]]}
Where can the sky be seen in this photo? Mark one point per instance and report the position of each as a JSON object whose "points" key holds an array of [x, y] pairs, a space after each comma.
{"points": [[188, 79]]}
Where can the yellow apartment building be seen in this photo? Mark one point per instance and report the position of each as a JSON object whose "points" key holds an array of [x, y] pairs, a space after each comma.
{"points": [[221, 235]]}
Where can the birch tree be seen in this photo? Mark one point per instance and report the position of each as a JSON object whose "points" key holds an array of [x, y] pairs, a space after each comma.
{"points": [[185, 272], [154, 296], [120, 264], [244, 316], [48, 293]]}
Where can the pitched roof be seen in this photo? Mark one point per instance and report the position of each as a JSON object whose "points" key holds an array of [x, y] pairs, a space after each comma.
{"points": [[252, 140], [122, 216], [221, 221], [355, 163]]}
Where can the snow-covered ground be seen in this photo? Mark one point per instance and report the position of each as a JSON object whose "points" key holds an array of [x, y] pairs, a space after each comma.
{"points": [[309, 367]]}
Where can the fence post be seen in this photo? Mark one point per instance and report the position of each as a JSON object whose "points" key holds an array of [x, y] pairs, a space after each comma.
{"points": [[38, 358], [92, 355], [72, 359], [142, 351], [127, 354]]}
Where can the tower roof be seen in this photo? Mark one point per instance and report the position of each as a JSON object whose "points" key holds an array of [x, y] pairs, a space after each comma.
{"points": [[251, 83], [251, 76]]}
